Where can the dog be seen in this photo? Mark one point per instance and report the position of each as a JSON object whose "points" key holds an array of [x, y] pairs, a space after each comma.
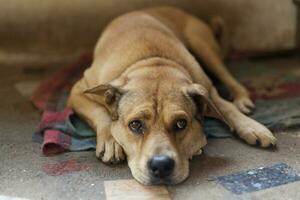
{"points": [[145, 94]]}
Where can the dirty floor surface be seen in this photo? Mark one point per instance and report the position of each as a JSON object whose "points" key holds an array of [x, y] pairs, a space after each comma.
{"points": [[26, 174]]}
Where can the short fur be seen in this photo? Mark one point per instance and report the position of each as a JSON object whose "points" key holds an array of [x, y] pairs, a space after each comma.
{"points": [[142, 69]]}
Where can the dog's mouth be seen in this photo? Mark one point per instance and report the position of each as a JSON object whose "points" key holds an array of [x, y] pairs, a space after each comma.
{"points": [[159, 181], [170, 180], [151, 180]]}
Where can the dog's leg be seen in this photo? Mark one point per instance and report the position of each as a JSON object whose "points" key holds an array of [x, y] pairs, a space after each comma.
{"points": [[107, 149], [203, 44], [246, 128]]}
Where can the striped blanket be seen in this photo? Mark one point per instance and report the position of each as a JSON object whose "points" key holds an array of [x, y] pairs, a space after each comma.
{"points": [[274, 87]]}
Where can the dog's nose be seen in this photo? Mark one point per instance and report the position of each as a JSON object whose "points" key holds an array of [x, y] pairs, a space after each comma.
{"points": [[161, 166]]}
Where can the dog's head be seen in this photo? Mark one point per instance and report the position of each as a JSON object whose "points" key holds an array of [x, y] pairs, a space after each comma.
{"points": [[157, 119]]}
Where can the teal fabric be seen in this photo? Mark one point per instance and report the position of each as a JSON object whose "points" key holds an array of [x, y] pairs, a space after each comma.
{"points": [[274, 114], [274, 86]]}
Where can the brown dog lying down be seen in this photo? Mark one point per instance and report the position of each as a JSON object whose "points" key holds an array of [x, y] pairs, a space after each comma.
{"points": [[145, 94]]}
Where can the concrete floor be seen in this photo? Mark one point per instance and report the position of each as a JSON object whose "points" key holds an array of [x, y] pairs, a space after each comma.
{"points": [[26, 173]]}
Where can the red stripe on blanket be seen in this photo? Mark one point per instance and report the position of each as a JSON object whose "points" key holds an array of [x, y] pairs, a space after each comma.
{"points": [[62, 79], [51, 117], [55, 142]]}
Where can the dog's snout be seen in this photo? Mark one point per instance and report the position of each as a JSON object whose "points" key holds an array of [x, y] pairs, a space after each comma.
{"points": [[161, 166]]}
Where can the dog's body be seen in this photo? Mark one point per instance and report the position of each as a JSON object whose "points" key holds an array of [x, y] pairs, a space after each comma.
{"points": [[145, 94]]}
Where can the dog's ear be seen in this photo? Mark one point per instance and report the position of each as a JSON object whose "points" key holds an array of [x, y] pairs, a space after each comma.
{"points": [[205, 105], [109, 97]]}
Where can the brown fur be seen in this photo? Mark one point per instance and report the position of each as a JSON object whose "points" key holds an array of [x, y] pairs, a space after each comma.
{"points": [[143, 70]]}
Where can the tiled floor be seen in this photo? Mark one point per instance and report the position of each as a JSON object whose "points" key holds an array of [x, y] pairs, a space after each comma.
{"points": [[26, 173]]}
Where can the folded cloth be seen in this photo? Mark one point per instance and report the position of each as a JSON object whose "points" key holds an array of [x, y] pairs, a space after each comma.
{"points": [[60, 129], [63, 131], [275, 89]]}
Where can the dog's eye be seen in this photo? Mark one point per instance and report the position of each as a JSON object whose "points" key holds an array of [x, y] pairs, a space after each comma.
{"points": [[180, 125], [136, 126]]}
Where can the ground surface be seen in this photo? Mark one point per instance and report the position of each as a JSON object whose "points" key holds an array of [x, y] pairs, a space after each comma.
{"points": [[26, 173]]}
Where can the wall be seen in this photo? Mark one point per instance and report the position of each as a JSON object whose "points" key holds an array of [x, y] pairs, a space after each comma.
{"points": [[55, 29]]}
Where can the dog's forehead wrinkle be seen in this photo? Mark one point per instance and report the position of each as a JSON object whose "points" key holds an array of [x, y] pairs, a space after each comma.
{"points": [[157, 101]]}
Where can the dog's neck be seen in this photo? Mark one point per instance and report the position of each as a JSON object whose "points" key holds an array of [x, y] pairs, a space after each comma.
{"points": [[158, 62]]}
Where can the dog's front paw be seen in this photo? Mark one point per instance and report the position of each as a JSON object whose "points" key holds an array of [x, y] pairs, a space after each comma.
{"points": [[255, 133], [244, 104], [108, 150]]}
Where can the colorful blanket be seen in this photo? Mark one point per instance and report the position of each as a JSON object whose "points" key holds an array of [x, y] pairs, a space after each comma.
{"points": [[274, 87]]}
